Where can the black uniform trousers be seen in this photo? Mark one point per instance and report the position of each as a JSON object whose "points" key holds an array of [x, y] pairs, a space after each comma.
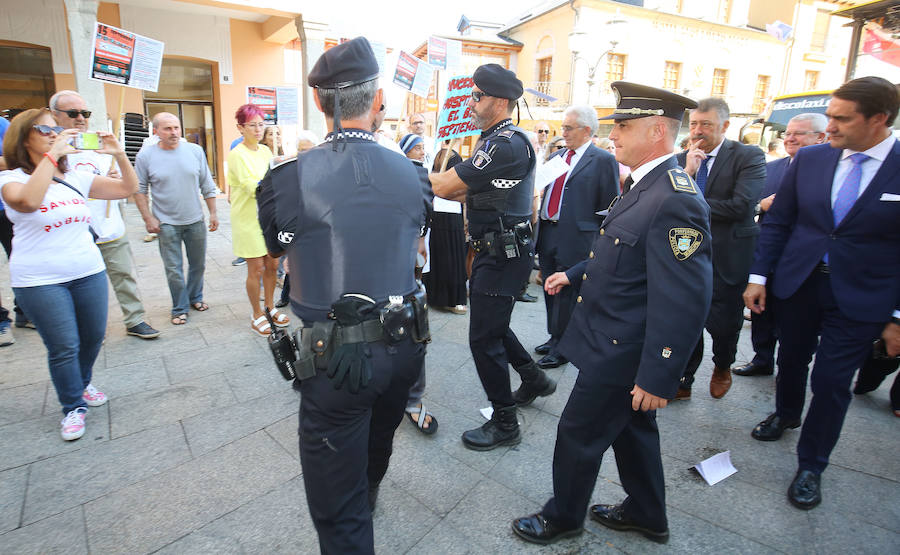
{"points": [[494, 345], [599, 415], [346, 442], [560, 306], [724, 323], [810, 322], [763, 332]]}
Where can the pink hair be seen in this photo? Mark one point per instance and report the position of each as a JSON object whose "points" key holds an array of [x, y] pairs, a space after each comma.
{"points": [[247, 112]]}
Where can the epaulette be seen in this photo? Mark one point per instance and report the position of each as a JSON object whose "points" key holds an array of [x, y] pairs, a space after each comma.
{"points": [[506, 134], [273, 164], [681, 181]]}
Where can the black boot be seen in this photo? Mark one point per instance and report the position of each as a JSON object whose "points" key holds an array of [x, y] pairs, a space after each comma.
{"points": [[535, 383], [501, 429]]}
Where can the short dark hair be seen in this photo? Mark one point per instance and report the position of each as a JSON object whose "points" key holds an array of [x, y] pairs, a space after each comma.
{"points": [[713, 103], [872, 95], [15, 154]]}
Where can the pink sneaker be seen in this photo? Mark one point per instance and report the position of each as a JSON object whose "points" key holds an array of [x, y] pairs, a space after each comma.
{"points": [[93, 397], [73, 424]]}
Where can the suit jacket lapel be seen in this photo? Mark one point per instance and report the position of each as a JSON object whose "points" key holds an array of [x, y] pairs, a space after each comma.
{"points": [[725, 154], [582, 162], [890, 168]]}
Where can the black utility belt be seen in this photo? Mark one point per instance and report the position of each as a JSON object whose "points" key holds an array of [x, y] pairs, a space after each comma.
{"points": [[308, 349], [505, 243]]}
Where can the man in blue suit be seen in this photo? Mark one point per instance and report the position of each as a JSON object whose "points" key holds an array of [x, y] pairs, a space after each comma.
{"points": [[832, 240], [569, 219], [646, 288], [802, 130]]}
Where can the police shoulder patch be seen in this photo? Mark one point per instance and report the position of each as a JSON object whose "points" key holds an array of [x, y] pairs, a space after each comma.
{"points": [[481, 159], [506, 134], [681, 181], [684, 241]]}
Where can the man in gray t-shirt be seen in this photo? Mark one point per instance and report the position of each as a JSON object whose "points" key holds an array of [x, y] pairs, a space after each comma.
{"points": [[174, 172]]}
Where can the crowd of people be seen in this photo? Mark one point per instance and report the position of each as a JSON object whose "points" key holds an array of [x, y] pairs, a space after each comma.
{"points": [[639, 249]]}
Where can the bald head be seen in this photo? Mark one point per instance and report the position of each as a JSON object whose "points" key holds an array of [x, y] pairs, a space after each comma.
{"points": [[167, 127]]}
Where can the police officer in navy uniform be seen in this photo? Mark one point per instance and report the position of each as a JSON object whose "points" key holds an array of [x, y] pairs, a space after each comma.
{"points": [[645, 291], [349, 213], [497, 185]]}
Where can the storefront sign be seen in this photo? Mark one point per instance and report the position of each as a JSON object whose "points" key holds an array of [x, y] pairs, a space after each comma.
{"points": [[456, 117], [413, 74], [125, 58]]}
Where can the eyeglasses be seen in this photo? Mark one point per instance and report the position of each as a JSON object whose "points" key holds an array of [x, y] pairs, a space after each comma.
{"points": [[558, 147], [542, 131], [256, 125], [567, 128], [45, 130], [74, 113], [478, 95], [788, 134]]}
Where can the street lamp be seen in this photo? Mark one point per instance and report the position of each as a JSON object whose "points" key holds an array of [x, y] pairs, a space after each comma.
{"points": [[578, 43]]}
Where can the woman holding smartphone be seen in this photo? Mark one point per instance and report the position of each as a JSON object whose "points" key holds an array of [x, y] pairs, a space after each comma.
{"points": [[57, 272]]}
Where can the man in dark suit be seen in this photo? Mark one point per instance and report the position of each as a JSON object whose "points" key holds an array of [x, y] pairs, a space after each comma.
{"points": [[731, 176], [802, 130], [832, 245], [569, 218], [645, 292]]}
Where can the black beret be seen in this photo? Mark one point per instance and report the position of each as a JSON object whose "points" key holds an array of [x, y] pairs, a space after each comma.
{"points": [[495, 80], [640, 101], [345, 65]]}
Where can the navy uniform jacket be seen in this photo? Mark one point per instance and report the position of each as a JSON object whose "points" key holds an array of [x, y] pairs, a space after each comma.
{"points": [[647, 286], [863, 250], [505, 157], [593, 183], [732, 191]]}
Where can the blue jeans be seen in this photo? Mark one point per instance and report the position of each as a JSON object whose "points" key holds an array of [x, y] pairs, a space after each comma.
{"points": [[194, 238], [71, 319]]}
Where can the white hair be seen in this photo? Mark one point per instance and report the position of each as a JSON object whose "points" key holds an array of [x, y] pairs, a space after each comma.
{"points": [[54, 100], [585, 116], [817, 122]]}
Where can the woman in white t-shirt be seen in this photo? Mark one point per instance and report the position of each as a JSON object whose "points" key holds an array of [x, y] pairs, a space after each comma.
{"points": [[57, 272]]}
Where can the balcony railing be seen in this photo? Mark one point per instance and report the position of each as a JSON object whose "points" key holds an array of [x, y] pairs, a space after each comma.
{"points": [[556, 89]]}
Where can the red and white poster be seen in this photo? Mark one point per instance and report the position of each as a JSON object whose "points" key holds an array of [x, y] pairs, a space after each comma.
{"points": [[125, 58]]}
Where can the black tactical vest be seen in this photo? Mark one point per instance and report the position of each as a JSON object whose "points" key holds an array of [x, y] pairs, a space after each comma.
{"points": [[360, 213]]}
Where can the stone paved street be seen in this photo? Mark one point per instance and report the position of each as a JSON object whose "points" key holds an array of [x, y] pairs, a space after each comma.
{"points": [[196, 451]]}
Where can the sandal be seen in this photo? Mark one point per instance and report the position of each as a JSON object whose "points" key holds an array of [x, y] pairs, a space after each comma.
{"points": [[261, 326], [281, 320], [200, 306], [420, 420], [179, 319]]}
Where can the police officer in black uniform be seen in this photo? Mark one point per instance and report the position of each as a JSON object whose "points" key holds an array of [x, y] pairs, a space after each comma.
{"points": [[349, 213], [645, 292], [497, 185]]}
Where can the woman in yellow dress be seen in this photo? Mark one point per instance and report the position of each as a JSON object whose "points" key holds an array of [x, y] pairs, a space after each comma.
{"points": [[247, 164]]}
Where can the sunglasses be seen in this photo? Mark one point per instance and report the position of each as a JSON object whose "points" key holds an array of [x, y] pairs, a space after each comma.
{"points": [[542, 131], [74, 113], [45, 130], [478, 95]]}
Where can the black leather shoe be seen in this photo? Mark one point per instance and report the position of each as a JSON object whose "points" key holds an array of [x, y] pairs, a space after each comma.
{"points": [[613, 516], [526, 298], [543, 349], [806, 490], [753, 369], [552, 361], [535, 383], [772, 427], [502, 429], [537, 529]]}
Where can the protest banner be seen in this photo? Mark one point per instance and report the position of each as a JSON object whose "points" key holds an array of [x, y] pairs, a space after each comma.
{"points": [[413, 74], [444, 53], [125, 58], [455, 119]]}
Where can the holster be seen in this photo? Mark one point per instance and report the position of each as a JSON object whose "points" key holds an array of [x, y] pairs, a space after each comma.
{"points": [[419, 304]]}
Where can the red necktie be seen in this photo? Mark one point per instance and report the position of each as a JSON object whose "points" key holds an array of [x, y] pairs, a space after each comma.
{"points": [[556, 194]]}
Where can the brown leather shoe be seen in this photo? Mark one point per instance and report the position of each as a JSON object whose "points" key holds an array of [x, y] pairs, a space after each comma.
{"points": [[720, 382], [682, 395]]}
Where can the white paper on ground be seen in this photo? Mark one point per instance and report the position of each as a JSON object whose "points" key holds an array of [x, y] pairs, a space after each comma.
{"points": [[549, 171], [716, 468], [487, 412]]}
